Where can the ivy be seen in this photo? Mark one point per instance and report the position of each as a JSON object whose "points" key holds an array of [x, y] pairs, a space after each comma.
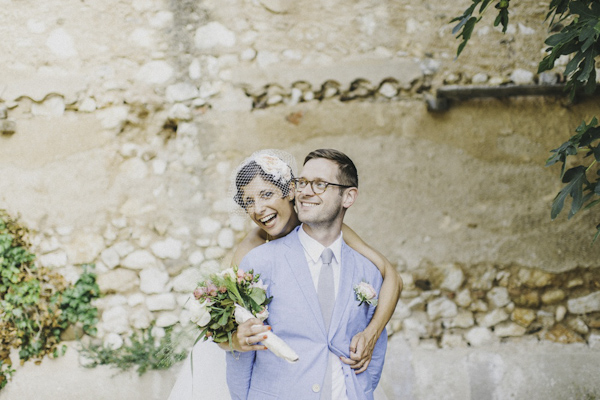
{"points": [[36, 304]]}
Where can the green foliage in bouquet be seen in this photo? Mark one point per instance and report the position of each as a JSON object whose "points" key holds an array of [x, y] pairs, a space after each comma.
{"points": [[36, 304], [218, 296]]}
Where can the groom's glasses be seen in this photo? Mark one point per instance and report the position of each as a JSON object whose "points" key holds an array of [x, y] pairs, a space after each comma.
{"points": [[318, 187]]}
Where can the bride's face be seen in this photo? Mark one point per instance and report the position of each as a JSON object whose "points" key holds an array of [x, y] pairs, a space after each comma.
{"points": [[268, 207]]}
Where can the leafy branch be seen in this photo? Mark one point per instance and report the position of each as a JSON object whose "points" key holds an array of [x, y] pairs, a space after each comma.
{"points": [[579, 40], [467, 22]]}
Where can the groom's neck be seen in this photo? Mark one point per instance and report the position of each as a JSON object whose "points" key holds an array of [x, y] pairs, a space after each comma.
{"points": [[323, 234]]}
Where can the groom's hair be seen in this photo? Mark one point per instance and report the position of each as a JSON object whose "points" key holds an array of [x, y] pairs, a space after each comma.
{"points": [[347, 173]]}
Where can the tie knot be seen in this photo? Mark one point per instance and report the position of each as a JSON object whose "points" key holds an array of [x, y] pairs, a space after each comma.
{"points": [[327, 255]]}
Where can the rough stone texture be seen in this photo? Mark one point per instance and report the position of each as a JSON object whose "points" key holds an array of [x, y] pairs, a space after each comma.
{"points": [[115, 320], [523, 316], [187, 281], [139, 259], [161, 302], [446, 276], [119, 280], [54, 260], [498, 297], [561, 334], [441, 308], [153, 280], [492, 318], [480, 336], [584, 304]]}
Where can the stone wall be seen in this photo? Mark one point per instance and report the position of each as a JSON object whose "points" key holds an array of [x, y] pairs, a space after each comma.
{"points": [[121, 123]]}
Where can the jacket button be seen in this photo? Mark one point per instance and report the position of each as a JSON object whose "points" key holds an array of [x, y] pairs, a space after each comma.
{"points": [[316, 388]]}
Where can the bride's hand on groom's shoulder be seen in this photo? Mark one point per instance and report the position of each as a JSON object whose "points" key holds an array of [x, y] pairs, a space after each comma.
{"points": [[249, 335], [361, 351]]}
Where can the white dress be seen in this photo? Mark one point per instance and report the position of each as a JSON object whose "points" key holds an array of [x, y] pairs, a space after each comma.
{"points": [[208, 380]]}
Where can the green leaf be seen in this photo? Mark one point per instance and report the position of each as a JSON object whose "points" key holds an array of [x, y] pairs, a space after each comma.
{"points": [[573, 64], [590, 86], [597, 233], [561, 37], [224, 318], [258, 295], [466, 14], [466, 34], [578, 8], [588, 66], [575, 178], [502, 18]]}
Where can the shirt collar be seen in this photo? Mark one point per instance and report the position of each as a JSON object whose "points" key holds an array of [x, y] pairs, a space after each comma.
{"points": [[314, 249]]}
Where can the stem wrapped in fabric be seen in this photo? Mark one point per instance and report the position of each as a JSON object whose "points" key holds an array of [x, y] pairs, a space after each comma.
{"points": [[272, 342]]}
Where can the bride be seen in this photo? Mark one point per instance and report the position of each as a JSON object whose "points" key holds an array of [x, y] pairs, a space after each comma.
{"points": [[269, 202]]}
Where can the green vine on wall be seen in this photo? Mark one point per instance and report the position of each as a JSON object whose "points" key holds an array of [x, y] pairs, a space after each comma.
{"points": [[36, 304]]}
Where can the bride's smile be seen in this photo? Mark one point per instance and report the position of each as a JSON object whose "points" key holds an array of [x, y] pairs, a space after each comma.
{"points": [[268, 207]]}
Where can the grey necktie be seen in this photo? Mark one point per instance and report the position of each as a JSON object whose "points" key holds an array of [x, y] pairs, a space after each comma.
{"points": [[326, 293], [326, 289]]}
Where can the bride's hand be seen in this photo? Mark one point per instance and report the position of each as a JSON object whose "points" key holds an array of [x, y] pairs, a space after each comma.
{"points": [[249, 334], [361, 351]]}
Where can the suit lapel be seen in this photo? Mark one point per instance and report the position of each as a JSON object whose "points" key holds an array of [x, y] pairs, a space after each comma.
{"points": [[345, 290], [296, 261]]}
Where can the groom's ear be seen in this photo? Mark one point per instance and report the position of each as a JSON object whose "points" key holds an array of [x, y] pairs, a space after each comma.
{"points": [[349, 197]]}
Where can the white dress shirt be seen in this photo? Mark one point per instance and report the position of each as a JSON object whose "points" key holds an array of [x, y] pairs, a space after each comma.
{"points": [[312, 251]]}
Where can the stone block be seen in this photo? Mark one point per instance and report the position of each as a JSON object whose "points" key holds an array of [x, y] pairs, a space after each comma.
{"points": [[584, 304]]}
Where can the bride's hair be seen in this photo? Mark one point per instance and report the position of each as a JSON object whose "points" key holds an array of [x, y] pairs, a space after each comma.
{"points": [[274, 166]]}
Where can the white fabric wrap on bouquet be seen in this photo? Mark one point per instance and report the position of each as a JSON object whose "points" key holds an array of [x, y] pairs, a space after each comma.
{"points": [[272, 342]]}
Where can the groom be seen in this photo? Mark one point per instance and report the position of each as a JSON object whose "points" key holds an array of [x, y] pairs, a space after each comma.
{"points": [[311, 274]]}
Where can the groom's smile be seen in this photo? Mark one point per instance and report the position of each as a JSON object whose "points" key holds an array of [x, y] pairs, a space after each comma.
{"points": [[324, 206]]}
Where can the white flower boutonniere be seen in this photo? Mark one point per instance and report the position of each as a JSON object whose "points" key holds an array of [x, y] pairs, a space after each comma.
{"points": [[365, 293]]}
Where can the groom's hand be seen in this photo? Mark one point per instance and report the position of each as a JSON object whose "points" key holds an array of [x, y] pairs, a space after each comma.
{"points": [[361, 351], [249, 334]]}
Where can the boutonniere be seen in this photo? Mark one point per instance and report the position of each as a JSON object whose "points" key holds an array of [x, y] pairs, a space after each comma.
{"points": [[365, 293]]}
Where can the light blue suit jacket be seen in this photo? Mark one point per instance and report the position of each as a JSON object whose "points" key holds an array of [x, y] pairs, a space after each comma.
{"points": [[295, 316]]}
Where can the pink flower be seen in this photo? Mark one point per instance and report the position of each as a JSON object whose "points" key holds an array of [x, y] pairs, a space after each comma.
{"points": [[199, 292], [248, 277], [365, 293], [211, 289], [240, 275]]}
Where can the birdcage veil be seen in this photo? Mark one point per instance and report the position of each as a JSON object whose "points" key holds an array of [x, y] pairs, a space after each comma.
{"points": [[277, 166]]}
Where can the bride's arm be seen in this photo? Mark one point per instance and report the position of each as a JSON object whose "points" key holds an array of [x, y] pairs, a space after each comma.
{"points": [[363, 343]]}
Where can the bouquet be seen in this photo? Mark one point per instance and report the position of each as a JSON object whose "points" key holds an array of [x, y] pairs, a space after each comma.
{"points": [[230, 298]]}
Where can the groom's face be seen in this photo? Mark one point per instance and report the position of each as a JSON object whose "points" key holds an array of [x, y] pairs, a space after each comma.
{"points": [[323, 208]]}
